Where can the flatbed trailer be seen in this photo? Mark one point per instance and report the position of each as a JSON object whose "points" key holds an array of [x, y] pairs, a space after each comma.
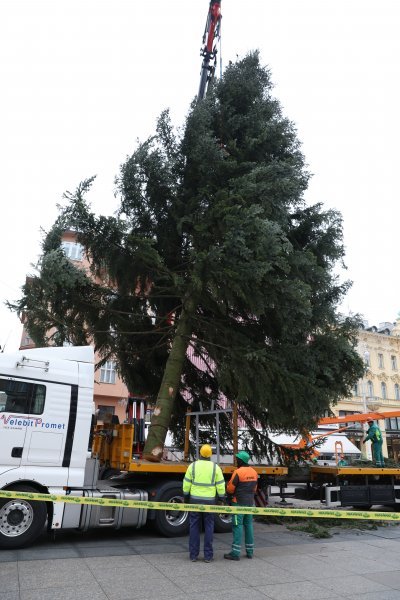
{"points": [[357, 486], [143, 466], [113, 446], [335, 471], [163, 480], [180, 467]]}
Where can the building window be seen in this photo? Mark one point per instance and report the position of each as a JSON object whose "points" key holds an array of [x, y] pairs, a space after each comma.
{"points": [[72, 250], [392, 424], [107, 372], [103, 410], [397, 391], [355, 389], [394, 362], [380, 361], [383, 390], [367, 360], [370, 389]]}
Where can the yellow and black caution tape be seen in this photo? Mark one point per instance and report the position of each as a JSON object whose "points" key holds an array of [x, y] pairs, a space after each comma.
{"points": [[234, 510]]}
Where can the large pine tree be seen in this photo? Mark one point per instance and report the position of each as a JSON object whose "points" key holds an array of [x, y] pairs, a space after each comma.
{"points": [[213, 248]]}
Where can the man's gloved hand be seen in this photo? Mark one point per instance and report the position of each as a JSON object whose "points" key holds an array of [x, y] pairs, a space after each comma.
{"points": [[186, 498], [221, 501]]}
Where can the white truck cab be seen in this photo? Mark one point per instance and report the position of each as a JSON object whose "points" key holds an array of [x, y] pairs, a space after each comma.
{"points": [[46, 400], [45, 415]]}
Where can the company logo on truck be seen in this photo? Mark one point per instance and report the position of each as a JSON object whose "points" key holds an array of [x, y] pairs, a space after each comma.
{"points": [[16, 421]]}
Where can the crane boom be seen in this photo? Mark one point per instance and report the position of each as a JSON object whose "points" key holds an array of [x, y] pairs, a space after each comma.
{"points": [[209, 50], [307, 439], [360, 418]]}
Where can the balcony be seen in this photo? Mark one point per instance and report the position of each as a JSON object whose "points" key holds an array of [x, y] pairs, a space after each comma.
{"points": [[373, 402]]}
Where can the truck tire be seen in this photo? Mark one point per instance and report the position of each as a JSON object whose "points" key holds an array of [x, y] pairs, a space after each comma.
{"points": [[223, 523], [21, 520], [171, 523]]}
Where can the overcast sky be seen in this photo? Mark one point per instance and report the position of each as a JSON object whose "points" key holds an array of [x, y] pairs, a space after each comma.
{"points": [[82, 80]]}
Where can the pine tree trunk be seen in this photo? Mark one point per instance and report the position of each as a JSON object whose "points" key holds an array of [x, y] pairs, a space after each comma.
{"points": [[160, 421]]}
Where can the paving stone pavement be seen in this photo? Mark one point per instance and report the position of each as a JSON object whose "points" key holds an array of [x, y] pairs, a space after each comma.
{"points": [[130, 565]]}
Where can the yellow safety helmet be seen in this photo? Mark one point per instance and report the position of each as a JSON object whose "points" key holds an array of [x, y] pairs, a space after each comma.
{"points": [[206, 451]]}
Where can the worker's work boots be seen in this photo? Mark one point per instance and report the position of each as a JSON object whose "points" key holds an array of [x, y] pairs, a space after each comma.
{"points": [[231, 557]]}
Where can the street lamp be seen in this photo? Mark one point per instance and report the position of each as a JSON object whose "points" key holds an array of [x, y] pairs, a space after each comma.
{"points": [[366, 451]]}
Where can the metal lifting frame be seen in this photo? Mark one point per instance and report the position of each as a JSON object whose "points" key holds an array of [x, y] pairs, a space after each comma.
{"points": [[197, 415]]}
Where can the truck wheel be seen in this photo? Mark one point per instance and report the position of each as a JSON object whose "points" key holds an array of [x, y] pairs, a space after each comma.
{"points": [[172, 523], [223, 523], [21, 520]]}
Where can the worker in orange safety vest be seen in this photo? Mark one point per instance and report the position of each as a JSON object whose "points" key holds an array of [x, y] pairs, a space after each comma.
{"points": [[241, 488]]}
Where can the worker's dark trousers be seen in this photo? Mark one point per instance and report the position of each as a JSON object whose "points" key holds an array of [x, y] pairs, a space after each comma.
{"points": [[378, 456], [194, 535]]}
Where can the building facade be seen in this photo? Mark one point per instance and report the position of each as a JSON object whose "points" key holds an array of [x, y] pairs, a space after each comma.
{"points": [[110, 393], [379, 389]]}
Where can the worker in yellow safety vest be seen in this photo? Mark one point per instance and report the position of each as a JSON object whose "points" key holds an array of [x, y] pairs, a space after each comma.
{"points": [[203, 484]]}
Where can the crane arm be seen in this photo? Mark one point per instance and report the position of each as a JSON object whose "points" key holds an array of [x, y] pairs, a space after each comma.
{"points": [[209, 51], [306, 439], [361, 418]]}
